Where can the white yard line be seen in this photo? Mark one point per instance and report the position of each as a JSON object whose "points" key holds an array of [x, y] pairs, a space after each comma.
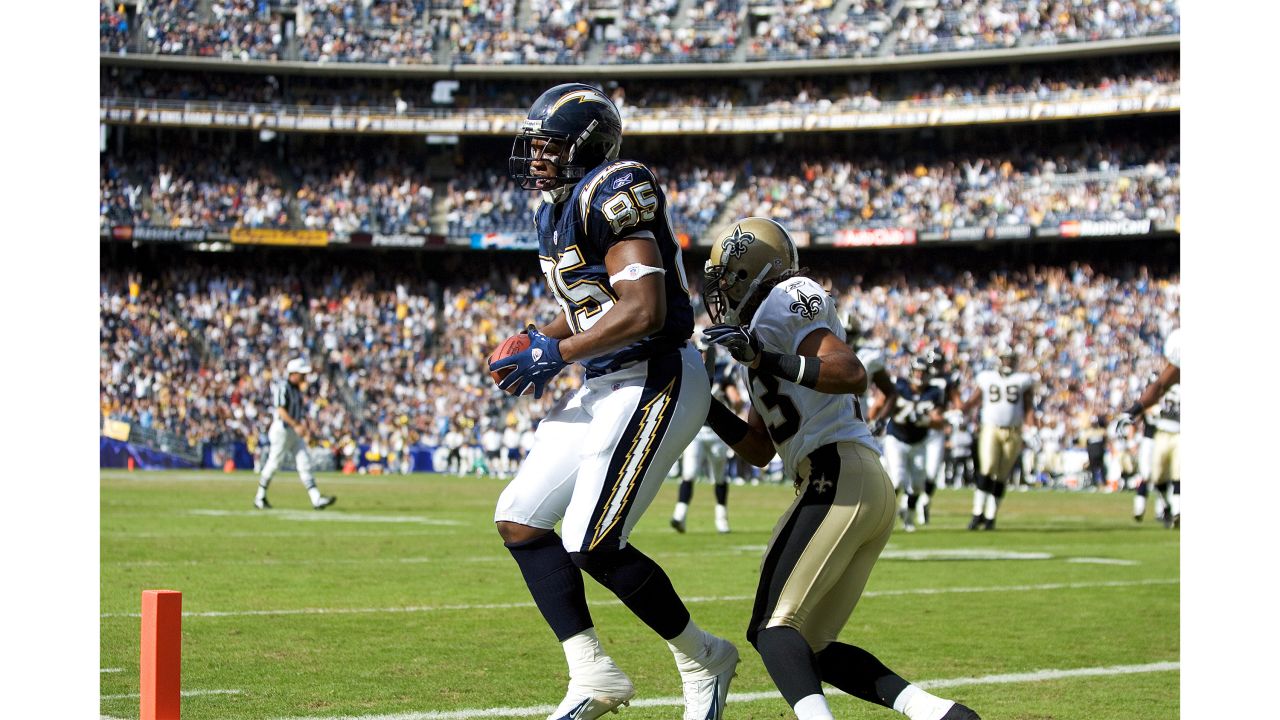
{"points": [[110, 670], [185, 693], [1101, 561], [736, 698], [710, 599]]}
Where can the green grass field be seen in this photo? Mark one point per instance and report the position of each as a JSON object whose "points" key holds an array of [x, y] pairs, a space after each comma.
{"points": [[400, 603]]}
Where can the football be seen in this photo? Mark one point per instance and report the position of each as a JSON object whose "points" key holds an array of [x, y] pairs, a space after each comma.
{"points": [[512, 345]]}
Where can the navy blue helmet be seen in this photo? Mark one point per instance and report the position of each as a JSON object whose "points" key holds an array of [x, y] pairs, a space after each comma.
{"points": [[583, 119]]}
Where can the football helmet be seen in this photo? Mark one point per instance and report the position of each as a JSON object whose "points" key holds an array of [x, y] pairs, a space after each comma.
{"points": [[744, 256], [1008, 359], [587, 126], [919, 370]]}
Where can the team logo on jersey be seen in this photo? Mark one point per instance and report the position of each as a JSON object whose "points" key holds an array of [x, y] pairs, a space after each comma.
{"points": [[736, 245], [807, 306]]}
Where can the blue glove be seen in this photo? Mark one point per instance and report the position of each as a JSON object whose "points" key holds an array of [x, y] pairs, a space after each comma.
{"points": [[737, 339], [535, 366]]}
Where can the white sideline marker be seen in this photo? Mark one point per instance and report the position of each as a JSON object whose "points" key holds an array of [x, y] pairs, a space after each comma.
{"points": [[185, 693], [722, 598], [1101, 561], [536, 710]]}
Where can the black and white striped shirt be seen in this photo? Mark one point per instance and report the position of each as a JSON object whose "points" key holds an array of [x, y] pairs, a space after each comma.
{"points": [[288, 396]]}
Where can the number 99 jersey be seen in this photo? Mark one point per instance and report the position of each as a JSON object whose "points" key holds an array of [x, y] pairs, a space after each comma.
{"points": [[615, 201], [1002, 403], [801, 420]]}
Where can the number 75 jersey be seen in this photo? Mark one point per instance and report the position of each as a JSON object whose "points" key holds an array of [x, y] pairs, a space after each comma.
{"points": [[614, 202], [801, 420], [1002, 397]]}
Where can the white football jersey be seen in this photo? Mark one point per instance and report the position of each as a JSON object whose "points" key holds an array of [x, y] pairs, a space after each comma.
{"points": [[1169, 411], [801, 420], [1002, 403]]}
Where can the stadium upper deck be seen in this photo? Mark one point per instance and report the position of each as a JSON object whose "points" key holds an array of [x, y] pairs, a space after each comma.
{"points": [[454, 33]]}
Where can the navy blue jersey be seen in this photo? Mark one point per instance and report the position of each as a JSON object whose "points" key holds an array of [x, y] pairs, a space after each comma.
{"points": [[613, 202], [909, 421]]}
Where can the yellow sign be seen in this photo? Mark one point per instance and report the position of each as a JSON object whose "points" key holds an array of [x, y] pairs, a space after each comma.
{"points": [[115, 429], [269, 236]]}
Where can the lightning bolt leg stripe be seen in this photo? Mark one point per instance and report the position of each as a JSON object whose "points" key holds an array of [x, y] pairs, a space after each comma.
{"points": [[633, 456]]}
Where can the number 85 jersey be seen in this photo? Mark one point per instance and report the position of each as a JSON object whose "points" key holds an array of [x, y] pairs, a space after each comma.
{"points": [[801, 420], [614, 202]]}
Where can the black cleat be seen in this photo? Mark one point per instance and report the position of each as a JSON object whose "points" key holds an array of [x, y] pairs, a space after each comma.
{"points": [[262, 504], [325, 501], [960, 712], [975, 522], [678, 525], [1137, 518], [989, 524]]}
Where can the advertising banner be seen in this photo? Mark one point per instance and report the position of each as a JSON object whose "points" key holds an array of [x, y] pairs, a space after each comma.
{"points": [[866, 237], [143, 233], [1104, 228], [503, 241], [271, 236]]}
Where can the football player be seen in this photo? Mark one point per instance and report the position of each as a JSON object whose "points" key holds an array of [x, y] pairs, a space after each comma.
{"points": [[599, 457], [706, 455], [804, 387], [917, 411], [935, 442], [1006, 398], [1146, 465], [1165, 458], [871, 355]]}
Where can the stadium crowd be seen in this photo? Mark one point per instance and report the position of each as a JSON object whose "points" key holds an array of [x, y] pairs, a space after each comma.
{"points": [[401, 359], [1085, 181], [560, 31]]}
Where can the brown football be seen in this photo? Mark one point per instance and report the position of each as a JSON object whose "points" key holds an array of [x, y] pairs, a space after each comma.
{"points": [[512, 345]]}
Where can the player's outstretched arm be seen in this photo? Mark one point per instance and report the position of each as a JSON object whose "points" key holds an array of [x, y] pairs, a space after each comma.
{"points": [[1171, 375], [641, 308], [889, 393]]}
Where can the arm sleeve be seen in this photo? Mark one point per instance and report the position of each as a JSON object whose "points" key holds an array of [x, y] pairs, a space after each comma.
{"points": [[624, 200], [794, 309]]}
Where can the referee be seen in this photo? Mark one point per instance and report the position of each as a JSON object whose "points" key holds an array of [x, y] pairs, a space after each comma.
{"points": [[289, 434]]}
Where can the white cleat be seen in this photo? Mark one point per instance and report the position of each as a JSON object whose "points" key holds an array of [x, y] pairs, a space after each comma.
{"points": [[599, 689], [722, 525], [707, 687]]}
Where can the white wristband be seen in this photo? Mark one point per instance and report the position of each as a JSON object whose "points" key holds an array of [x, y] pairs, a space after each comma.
{"points": [[634, 271]]}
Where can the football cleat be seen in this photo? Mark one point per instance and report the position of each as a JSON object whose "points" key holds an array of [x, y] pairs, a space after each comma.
{"points": [[722, 525], [960, 712], [599, 689], [989, 524], [707, 686], [262, 504], [325, 501], [678, 525]]}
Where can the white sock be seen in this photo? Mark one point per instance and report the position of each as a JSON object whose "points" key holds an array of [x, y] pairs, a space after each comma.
{"points": [[682, 509], [1139, 506], [262, 493], [993, 502], [314, 492], [692, 643], [582, 649], [979, 500], [813, 707], [920, 705], [1175, 502], [722, 512]]}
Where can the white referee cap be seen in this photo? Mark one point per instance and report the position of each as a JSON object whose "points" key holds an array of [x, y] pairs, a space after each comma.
{"points": [[298, 365]]}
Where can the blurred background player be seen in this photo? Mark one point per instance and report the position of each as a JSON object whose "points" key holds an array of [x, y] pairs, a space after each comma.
{"points": [[940, 377], [1165, 458], [601, 455], [917, 410], [1006, 398], [289, 434], [705, 456], [959, 450], [1146, 467], [871, 354], [804, 382]]}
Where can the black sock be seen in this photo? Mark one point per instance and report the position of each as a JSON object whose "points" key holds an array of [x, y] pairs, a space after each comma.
{"points": [[722, 493], [790, 662], [860, 674], [640, 584], [911, 501], [555, 584], [685, 494]]}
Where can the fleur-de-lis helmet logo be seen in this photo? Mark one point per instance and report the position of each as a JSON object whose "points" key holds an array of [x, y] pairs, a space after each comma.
{"points": [[807, 306], [735, 245]]}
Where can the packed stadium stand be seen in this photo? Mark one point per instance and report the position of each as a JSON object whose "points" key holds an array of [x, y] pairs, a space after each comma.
{"points": [[328, 178]]}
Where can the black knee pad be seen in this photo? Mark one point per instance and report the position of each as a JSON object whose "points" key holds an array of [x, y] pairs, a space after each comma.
{"points": [[1177, 487], [1143, 489], [685, 494], [997, 489], [983, 483], [930, 487], [1162, 488]]}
